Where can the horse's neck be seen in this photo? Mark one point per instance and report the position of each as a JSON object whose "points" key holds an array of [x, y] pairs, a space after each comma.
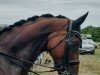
{"points": [[28, 43], [29, 31]]}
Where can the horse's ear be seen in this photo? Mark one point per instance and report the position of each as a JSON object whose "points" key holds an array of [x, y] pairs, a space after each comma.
{"points": [[80, 20]]}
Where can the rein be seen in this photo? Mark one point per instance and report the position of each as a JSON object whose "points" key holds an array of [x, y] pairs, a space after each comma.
{"points": [[18, 62]]}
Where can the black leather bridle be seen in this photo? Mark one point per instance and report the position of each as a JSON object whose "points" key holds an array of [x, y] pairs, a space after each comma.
{"points": [[59, 65], [65, 62]]}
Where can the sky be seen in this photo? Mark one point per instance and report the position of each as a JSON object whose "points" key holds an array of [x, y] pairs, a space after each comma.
{"points": [[15, 10]]}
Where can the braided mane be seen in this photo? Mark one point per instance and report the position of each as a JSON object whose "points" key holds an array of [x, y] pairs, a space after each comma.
{"points": [[60, 16], [47, 15], [22, 22]]}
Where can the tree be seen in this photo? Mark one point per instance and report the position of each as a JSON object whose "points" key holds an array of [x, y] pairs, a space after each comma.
{"points": [[94, 31]]}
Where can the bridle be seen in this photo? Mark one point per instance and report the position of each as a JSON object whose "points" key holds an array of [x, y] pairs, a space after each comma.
{"points": [[19, 62], [65, 62]]}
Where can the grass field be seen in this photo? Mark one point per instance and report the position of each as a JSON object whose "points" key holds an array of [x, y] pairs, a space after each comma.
{"points": [[90, 65]]}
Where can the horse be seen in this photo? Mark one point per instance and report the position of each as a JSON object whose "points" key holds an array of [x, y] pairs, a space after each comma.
{"points": [[22, 42]]}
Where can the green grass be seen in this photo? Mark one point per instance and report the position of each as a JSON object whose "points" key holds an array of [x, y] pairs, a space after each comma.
{"points": [[90, 63]]}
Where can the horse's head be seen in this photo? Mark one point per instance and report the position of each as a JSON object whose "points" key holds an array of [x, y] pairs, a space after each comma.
{"points": [[21, 43], [64, 47]]}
